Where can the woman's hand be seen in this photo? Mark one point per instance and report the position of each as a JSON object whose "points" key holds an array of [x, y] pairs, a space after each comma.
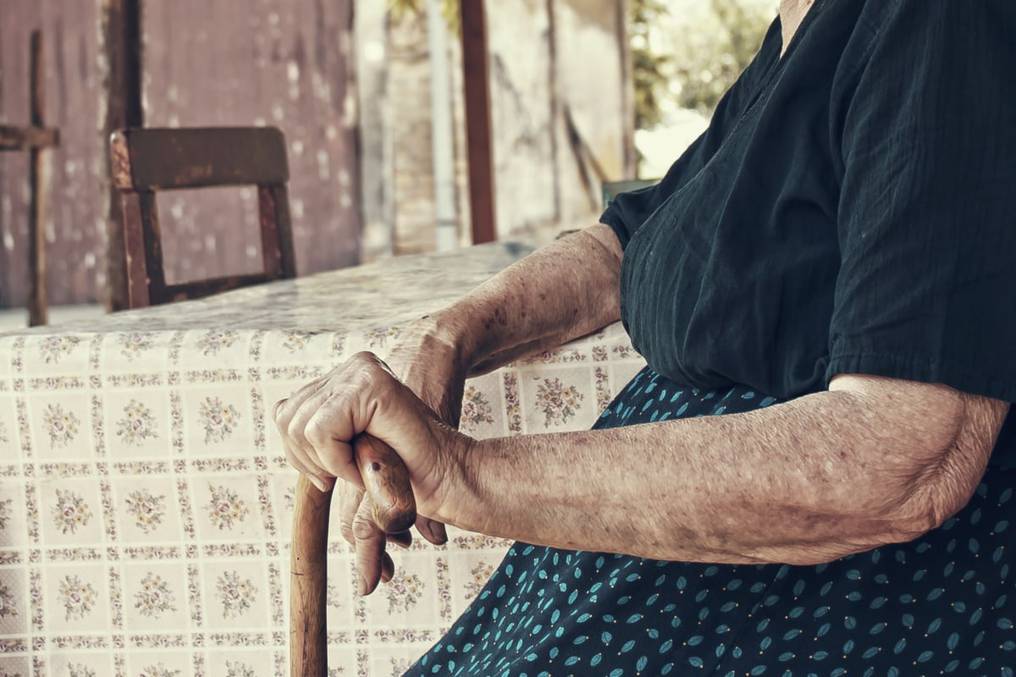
{"points": [[427, 360], [427, 363]]}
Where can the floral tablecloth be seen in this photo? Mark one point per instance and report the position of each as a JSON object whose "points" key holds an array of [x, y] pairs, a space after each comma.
{"points": [[145, 502]]}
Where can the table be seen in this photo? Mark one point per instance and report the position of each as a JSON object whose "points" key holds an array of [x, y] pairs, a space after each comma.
{"points": [[145, 501]]}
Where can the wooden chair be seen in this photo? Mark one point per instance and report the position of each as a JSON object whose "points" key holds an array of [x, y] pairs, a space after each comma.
{"points": [[35, 139], [145, 161], [612, 189], [609, 190], [149, 160]]}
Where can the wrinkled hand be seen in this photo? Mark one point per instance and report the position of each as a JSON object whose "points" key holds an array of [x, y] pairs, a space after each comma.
{"points": [[414, 413]]}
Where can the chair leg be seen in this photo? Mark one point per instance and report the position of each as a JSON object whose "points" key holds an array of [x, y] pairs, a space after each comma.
{"points": [[146, 280], [38, 306]]}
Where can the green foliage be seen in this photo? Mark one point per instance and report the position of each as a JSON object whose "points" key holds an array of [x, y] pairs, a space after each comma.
{"points": [[449, 8], [684, 54], [708, 62], [649, 69], [689, 54]]}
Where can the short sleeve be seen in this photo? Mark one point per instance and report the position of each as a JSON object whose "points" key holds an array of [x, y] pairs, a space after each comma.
{"points": [[628, 211], [927, 214]]}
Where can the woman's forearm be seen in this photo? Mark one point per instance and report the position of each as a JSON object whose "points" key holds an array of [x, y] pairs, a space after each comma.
{"points": [[803, 482], [563, 290]]}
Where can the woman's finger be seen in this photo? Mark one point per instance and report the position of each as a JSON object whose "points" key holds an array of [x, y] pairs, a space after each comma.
{"points": [[387, 567], [286, 408], [296, 430], [325, 432], [402, 539], [349, 502], [278, 405], [297, 453], [299, 462], [370, 548], [432, 531]]}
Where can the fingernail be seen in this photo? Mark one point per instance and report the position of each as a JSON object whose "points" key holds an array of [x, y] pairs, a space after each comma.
{"points": [[361, 587], [436, 534], [425, 529], [319, 484]]}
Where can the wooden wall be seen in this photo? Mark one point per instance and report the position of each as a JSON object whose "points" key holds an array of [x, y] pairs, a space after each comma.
{"points": [[76, 217], [561, 103], [253, 63]]}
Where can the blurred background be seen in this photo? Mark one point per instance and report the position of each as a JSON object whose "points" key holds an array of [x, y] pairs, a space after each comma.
{"points": [[371, 98]]}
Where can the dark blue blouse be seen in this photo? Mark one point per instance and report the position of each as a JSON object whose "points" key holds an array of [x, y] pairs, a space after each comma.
{"points": [[851, 209]]}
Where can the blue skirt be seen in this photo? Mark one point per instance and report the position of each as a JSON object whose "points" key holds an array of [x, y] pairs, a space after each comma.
{"points": [[944, 603]]}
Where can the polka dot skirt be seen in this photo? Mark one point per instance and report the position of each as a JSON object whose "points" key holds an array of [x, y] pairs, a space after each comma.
{"points": [[942, 604]]}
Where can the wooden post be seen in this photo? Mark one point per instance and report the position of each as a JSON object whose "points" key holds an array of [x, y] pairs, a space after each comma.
{"points": [[37, 305], [35, 139], [554, 88], [121, 34], [630, 155], [476, 81]]}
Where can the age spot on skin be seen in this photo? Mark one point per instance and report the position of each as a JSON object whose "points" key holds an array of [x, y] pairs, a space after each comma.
{"points": [[501, 316]]}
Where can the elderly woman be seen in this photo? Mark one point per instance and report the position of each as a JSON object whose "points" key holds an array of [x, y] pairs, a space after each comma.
{"points": [[811, 475]]}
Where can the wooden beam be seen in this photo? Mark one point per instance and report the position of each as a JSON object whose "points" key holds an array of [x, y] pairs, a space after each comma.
{"points": [[26, 138], [479, 146], [37, 301], [121, 37]]}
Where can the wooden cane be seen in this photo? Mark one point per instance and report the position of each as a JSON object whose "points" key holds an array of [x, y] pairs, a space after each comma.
{"points": [[386, 480]]}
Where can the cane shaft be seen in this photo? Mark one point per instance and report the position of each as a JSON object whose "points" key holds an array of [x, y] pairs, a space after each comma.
{"points": [[386, 480], [308, 641]]}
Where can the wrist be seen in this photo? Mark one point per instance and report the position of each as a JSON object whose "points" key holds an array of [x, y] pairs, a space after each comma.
{"points": [[452, 327], [460, 493]]}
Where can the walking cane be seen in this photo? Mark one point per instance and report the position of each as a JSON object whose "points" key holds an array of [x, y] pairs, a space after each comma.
{"points": [[386, 480]]}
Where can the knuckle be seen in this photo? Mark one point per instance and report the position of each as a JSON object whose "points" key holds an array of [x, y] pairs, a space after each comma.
{"points": [[363, 529], [364, 359], [368, 364], [367, 379], [346, 528], [316, 431], [295, 430], [282, 424], [346, 532]]}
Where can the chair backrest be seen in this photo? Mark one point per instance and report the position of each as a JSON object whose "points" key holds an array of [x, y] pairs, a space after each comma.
{"points": [[612, 189], [148, 160]]}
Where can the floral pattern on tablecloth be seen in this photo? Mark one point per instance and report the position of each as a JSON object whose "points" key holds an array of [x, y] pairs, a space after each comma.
{"points": [[145, 500], [146, 508], [70, 511], [154, 597], [78, 597], [137, 424]]}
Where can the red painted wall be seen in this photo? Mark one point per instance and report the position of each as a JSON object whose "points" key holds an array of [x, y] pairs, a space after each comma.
{"points": [[258, 62]]}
